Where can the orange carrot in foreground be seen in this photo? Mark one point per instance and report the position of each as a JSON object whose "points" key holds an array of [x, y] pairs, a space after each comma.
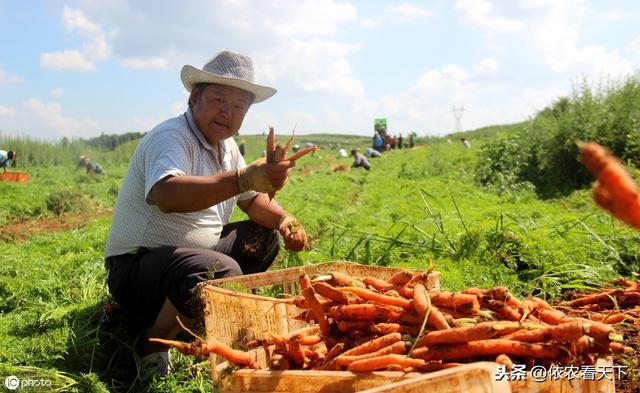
{"points": [[563, 332], [374, 345], [201, 348], [615, 190], [302, 153]]}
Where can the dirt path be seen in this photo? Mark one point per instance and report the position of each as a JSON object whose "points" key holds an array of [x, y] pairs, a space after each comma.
{"points": [[23, 230]]}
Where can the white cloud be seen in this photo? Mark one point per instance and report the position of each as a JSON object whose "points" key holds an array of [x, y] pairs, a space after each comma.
{"points": [[57, 92], [481, 13], [50, 115], [94, 45], [7, 110], [488, 66], [66, 60], [319, 66], [406, 11], [6, 78], [159, 63]]}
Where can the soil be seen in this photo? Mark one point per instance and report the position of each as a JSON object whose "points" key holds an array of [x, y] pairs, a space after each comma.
{"points": [[20, 231]]}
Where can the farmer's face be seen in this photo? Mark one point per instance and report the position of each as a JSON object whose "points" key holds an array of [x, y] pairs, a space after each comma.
{"points": [[219, 110]]}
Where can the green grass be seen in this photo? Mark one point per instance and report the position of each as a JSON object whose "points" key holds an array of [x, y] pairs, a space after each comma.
{"points": [[415, 208]]}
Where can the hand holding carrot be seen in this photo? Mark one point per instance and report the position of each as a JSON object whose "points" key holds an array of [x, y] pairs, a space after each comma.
{"points": [[263, 177], [294, 235]]}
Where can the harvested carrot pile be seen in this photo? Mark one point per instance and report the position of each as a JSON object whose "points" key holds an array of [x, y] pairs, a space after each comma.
{"points": [[370, 324], [618, 305]]}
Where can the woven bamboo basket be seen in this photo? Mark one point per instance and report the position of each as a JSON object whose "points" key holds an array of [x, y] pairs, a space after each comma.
{"points": [[235, 315], [474, 378]]}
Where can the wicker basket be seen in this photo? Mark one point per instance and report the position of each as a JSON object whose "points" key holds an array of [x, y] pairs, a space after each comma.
{"points": [[474, 377], [235, 316]]}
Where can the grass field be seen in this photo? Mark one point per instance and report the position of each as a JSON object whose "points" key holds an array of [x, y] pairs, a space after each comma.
{"points": [[415, 208]]}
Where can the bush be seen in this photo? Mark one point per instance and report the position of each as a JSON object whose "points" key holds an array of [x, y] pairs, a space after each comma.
{"points": [[69, 201], [543, 151]]}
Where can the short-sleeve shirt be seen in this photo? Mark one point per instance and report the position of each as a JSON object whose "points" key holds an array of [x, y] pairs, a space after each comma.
{"points": [[4, 159], [175, 147]]}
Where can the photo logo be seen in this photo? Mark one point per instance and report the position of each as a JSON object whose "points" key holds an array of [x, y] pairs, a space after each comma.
{"points": [[12, 382]]}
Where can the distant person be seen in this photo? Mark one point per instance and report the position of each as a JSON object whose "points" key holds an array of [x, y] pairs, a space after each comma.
{"points": [[296, 147], [411, 143], [373, 153], [466, 143], [342, 153], [6, 157], [360, 161], [399, 141], [308, 145], [241, 148], [378, 142], [93, 168]]}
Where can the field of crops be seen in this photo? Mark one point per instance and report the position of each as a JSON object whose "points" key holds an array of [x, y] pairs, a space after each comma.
{"points": [[416, 208]]}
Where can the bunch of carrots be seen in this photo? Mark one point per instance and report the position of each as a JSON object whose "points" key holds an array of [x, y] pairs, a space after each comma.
{"points": [[615, 304], [397, 324]]}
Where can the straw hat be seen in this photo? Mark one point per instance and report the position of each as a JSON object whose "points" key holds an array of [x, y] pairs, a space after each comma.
{"points": [[230, 69]]}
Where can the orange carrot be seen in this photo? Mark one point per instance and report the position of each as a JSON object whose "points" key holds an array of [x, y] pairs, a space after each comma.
{"points": [[347, 326], [398, 347], [596, 298], [374, 345], [379, 298], [481, 331], [382, 362], [326, 290], [317, 310], [454, 300], [491, 347], [386, 328], [615, 189], [302, 153], [366, 311], [562, 332], [201, 348], [400, 278], [421, 304]]}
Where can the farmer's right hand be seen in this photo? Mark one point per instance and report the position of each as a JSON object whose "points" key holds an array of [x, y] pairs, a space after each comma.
{"points": [[262, 177]]}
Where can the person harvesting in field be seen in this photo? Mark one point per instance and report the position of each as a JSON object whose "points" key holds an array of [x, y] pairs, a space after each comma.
{"points": [[5, 159], [359, 160], [171, 229]]}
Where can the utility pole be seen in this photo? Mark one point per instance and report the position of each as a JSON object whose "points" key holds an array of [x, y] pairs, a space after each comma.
{"points": [[457, 113]]}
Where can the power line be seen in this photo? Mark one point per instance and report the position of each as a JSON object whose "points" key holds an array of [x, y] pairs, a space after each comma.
{"points": [[457, 113]]}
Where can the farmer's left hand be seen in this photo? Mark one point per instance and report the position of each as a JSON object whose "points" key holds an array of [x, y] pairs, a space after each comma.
{"points": [[293, 233]]}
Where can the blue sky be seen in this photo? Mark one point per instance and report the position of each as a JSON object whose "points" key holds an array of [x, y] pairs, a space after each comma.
{"points": [[81, 68]]}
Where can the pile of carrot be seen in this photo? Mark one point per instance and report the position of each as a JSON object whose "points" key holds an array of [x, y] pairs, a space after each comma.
{"points": [[616, 304], [398, 324]]}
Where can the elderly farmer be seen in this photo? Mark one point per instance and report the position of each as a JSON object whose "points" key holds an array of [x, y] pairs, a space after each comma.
{"points": [[171, 229], [5, 159], [359, 160]]}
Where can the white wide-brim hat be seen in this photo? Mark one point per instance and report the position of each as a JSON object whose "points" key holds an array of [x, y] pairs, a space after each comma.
{"points": [[230, 69]]}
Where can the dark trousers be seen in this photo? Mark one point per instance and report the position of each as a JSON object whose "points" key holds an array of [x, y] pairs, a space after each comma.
{"points": [[141, 282]]}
